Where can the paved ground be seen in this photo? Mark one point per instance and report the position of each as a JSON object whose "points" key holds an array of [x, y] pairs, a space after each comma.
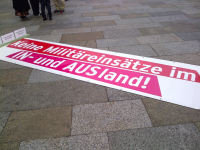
{"points": [[43, 111]]}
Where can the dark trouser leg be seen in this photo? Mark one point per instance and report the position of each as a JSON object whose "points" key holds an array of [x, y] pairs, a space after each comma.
{"points": [[43, 9], [35, 6], [48, 6]]}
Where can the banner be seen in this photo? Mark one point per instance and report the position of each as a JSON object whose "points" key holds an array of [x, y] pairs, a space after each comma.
{"points": [[164, 80]]}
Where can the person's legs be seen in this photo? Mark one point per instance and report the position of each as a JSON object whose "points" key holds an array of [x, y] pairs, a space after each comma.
{"points": [[43, 9], [62, 4], [57, 6], [48, 6], [35, 7]]}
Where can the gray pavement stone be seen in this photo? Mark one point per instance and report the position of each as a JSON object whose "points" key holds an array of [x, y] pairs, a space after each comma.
{"points": [[74, 20], [106, 6], [14, 76], [3, 119], [185, 136], [198, 125], [10, 146], [146, 25], [81, 36], [183, 58], [132, 21], [81, 142], [169, 18], [167, 13], [112, 2], [163, 113], [191, 11], [7, 65], [32, 28], [39, 33], [115, 27], [51, 38], [41, 22], [85, 11], [118, 95], [173, 48], [186, 28], [98, 23], [37, 124], [110, 116], [163, 38], [59, 26], [141, 50], [189, 36], [112, 9], [50, 94], [195, 21], [80, 8], [111, 17], [157, 30], [41, 76], [129, 16], [121, 33], [193, 16], [66, 31], [96, 14], [116, 42]]}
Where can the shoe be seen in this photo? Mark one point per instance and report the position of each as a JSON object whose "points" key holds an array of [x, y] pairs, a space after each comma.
{"points": [[44, 19], [50, 18], [55, 11], [25, 18]]}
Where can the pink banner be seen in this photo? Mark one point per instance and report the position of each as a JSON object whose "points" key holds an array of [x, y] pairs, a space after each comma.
{"points": [[123, 78]]}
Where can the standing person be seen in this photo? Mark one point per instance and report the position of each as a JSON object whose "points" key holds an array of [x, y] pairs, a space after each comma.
{"points": [[48, 6], [58, 7], [21, 9], [35, 7]]}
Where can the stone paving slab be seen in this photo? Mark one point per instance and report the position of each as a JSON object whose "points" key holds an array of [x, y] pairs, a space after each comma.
{"points": [[132, 21], [141, 50], [66, 31], [98, 23], [3, 119], [193, 16], [110, 116], [121, 33], [59, 26], [163, 38], [183, 58], [10, 146], [50, 94], [163, 113], [51, 38], [85, 11], [111, 17], [198, 125], [187, 28], [118, 95], [74, 20], [167, 13], [189, 36], [7, 65], [41, 76], [157, 30], [96, 14], [87, 142], [116, 42], [173, 48], [129, 16], [39, 33], [106, 6], [14, 76], [146, 25], [82, 36], [47, 22], [184, 136], [37, 124], [169, 18]]}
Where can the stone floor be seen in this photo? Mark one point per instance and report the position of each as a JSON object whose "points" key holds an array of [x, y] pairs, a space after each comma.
{"points": [[43, 111]]}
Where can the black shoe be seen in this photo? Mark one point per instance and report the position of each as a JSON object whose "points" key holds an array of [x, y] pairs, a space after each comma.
{"points": [[24, 18], [50, 18], [44, 19], [55, 11]]}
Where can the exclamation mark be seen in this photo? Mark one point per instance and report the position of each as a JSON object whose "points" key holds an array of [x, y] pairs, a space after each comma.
{"points": [[146, 82]]}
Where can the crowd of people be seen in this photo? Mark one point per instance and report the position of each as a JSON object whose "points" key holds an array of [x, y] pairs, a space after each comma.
{"points": [[22, 8]]}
